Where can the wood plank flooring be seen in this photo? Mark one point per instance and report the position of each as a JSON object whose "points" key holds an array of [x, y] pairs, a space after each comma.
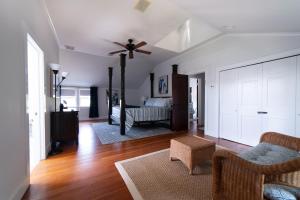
{"points": [[87, 172]]}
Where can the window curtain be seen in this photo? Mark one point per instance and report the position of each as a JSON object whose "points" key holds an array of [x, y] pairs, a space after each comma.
{"points": [[94, 112]]}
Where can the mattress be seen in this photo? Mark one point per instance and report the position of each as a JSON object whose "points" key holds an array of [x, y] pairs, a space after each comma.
{"points": [[141, 114]]}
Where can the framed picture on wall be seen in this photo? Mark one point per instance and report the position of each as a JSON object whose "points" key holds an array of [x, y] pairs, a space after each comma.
{"points": [[163, 85]]}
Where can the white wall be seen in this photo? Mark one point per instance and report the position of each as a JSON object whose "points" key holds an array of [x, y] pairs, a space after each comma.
{"points": [[16, 19], [87, 70], [224, 51], [145, 89]]}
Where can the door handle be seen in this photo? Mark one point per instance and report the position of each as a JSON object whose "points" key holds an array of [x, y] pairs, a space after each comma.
{"points": [[262, 112]]}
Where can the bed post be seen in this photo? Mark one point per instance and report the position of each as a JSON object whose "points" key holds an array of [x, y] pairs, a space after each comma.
{"points": [[122, 103], [110, 73], [151, 85]]}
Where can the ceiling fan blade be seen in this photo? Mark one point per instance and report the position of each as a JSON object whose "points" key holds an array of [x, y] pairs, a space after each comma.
{"points": [[114, 52], [130, 54], [143, 51], [143, 43], [122, 45]]}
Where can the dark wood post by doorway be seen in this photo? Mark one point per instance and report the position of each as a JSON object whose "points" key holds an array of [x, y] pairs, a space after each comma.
{"points": [[110, 74], [122, 103], [151, 85], [175, 69]]}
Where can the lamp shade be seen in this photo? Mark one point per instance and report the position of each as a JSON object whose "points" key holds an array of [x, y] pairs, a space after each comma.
{"points": [[54, 66], [64, 74]]}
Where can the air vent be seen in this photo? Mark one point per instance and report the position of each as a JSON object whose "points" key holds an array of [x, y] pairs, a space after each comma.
{"points": [[71, 48], [142, 5]]}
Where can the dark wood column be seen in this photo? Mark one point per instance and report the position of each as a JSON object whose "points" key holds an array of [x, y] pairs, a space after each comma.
{"points": [[122, 103], [151, 85], [110, 74], [175, 69]]}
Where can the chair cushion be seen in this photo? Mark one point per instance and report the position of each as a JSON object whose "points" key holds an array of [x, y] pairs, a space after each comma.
{"points": [[269, 154], [281, 192]]}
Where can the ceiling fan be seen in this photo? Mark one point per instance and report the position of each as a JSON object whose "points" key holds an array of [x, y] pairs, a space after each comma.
{"points": [[131, 47]]}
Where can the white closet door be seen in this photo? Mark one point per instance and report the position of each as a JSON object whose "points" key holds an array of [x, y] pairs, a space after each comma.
{"points": [[298, 99], [279, 96], [249, 102], [228, 105]]}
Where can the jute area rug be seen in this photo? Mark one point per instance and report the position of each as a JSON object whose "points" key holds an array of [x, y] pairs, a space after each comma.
{"points": [[153, 177]]}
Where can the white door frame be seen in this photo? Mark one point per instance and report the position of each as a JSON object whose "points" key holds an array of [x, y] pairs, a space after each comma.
{"points": [[42, 100], [218, 70], [205, 98]]}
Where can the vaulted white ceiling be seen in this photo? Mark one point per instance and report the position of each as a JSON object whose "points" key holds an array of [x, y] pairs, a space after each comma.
{"points": [[247, 16], [92, 26]]}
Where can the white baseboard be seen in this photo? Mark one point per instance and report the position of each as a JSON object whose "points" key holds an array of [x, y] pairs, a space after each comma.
{"points": [[20, 191]]}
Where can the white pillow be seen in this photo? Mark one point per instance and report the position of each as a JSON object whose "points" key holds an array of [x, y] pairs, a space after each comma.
{"points": [[150, 102], [159, 102]]}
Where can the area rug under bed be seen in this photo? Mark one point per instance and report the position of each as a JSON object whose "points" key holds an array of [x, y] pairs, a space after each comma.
{"points": [[109, 134], [153, 177]]}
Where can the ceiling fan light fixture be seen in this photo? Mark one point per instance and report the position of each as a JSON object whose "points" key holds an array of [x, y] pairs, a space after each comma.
{"points": [[142, 5], [130, 47]]}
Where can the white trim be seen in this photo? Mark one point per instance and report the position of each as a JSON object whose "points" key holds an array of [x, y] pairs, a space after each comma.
{"points": [[128, 181], [42, 96], [20, 191], [265, 34], [262, 59], [206, 131], [51, 23]]}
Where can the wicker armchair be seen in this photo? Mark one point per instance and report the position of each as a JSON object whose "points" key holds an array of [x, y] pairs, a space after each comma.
{"points": [[235, 178]]}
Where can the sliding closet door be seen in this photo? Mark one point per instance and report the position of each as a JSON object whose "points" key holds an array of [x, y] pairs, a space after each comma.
{"points": [[298, 99], [249, 102], [229, 105], [279, 96]]}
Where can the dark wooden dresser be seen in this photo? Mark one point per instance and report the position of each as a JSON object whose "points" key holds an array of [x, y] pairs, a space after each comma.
{"points": [[64, 126]]}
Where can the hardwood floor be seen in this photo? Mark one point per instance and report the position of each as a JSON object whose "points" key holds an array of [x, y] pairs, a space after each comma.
{"points": [[88, 172]]}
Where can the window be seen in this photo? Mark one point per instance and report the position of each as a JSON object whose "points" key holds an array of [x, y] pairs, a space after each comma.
{"points": [[69, 98], [84, 97], [75, 98]]}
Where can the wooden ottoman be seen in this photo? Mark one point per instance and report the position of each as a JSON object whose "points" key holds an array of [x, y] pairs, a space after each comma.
{"points": [[191, 150]]}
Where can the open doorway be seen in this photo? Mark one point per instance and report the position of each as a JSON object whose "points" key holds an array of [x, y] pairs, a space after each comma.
{"points": [[35, 102], [197, 101]]}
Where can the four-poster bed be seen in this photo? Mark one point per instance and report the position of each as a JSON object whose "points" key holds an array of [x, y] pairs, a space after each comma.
{"points": [[155, 109], [174, 109]]}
